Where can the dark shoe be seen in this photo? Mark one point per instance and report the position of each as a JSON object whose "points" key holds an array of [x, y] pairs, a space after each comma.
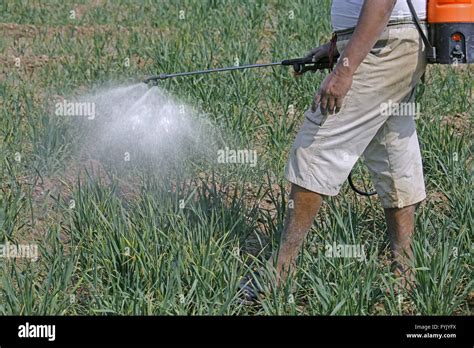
{"points": [[250, 290]]}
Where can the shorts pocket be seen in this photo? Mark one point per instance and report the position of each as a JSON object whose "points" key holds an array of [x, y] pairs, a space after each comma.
{"points": [[315, 117]]}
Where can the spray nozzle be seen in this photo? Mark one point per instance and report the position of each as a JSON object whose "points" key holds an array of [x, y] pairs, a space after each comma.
{"points": [[155, 78]]}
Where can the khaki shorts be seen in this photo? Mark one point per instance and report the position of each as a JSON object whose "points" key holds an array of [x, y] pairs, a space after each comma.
{"points": [[377, 120]]}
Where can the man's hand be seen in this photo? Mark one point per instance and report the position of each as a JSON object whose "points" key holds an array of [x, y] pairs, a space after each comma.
{"points": [[317, 54], [332, 91]]}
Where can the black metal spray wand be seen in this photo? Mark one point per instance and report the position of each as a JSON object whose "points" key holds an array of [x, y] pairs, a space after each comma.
{"points": [[300, 65]]}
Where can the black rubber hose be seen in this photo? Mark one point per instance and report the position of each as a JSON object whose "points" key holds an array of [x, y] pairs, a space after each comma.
{"points": [[363, 193]]}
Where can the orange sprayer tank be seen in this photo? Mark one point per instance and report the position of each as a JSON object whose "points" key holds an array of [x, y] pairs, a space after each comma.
{"points": [[451, 28], [450, 11]]}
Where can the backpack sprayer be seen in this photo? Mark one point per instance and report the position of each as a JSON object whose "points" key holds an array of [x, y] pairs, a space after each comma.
{"points": [[450, 40], [450, 31]]}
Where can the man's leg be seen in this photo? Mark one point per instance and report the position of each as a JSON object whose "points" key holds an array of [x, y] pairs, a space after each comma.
{"points": [[300, 215], [400, 227], [299, 218]]}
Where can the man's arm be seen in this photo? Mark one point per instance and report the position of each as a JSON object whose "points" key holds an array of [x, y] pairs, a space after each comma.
{"points": [[373, 19]]}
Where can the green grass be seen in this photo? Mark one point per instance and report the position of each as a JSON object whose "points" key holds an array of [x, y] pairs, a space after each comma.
{"points": [[123, 242]]}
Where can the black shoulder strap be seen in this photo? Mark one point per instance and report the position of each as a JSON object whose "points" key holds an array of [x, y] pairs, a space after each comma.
{"points": [[430, 50]]}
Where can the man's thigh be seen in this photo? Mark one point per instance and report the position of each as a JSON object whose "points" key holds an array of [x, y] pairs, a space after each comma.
{"points": [[394, 159]]}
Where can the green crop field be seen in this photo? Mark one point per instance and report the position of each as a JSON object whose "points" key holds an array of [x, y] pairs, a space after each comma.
{"points": [[139, 238]]}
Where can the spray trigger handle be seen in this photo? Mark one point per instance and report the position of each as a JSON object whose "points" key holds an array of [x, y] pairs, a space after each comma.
{"points": [[301, 65]]}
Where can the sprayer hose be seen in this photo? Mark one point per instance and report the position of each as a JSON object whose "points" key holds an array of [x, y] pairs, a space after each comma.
{"points": [[360, 192]]}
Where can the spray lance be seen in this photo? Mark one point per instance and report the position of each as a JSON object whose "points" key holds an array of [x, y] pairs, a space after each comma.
{"points": [[300, 65]]}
